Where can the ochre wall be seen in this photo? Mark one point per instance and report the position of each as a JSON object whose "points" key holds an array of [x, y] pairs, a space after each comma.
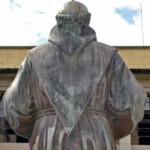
{"points": [[134, 57], [11, 57]]}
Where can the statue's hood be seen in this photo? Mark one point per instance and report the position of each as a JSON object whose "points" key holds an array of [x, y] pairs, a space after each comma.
{"points": [[72, 37]]}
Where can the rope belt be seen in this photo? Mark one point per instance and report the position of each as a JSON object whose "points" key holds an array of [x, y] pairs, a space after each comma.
{"points": [[87, 111]]}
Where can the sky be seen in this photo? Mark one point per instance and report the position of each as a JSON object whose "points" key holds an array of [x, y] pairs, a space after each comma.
{"points": [[116, 22]]}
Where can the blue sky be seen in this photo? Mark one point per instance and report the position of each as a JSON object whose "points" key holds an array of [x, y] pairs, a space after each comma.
{"points": [[128, 14], [117, 22]]}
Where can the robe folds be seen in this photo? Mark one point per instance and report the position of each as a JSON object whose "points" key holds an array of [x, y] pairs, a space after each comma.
{"points": [[60, 96]]}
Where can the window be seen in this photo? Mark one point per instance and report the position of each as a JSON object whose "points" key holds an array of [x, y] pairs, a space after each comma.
{"points": [[144, 126], [141, 135]]}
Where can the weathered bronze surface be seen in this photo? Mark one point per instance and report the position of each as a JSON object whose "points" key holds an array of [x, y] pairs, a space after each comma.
{"points": [[74, 93]]}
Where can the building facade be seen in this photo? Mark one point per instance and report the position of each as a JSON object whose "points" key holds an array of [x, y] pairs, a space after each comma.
{"points": [[136, 58]]}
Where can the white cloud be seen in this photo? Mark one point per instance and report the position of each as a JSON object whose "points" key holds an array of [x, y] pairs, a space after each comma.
{"points": [[28, 18]]}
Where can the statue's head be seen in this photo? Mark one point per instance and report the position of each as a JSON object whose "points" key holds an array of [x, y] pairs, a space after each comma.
{"points": [[73, 11]]}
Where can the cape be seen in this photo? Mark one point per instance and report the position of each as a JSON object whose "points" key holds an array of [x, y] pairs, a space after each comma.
{"points": [[70, 67]]}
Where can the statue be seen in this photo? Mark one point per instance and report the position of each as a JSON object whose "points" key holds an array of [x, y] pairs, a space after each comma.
{"points": [[74, 93]]}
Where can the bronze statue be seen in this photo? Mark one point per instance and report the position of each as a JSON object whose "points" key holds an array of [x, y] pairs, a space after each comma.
{"points": [[74, 93]]}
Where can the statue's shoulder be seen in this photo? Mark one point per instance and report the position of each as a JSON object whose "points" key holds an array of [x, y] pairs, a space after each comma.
{"points": [[41, 49], [105, 47], [105, 51]]}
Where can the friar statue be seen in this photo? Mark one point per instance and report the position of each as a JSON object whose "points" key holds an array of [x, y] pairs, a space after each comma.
{"points": [[74, 93]]}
